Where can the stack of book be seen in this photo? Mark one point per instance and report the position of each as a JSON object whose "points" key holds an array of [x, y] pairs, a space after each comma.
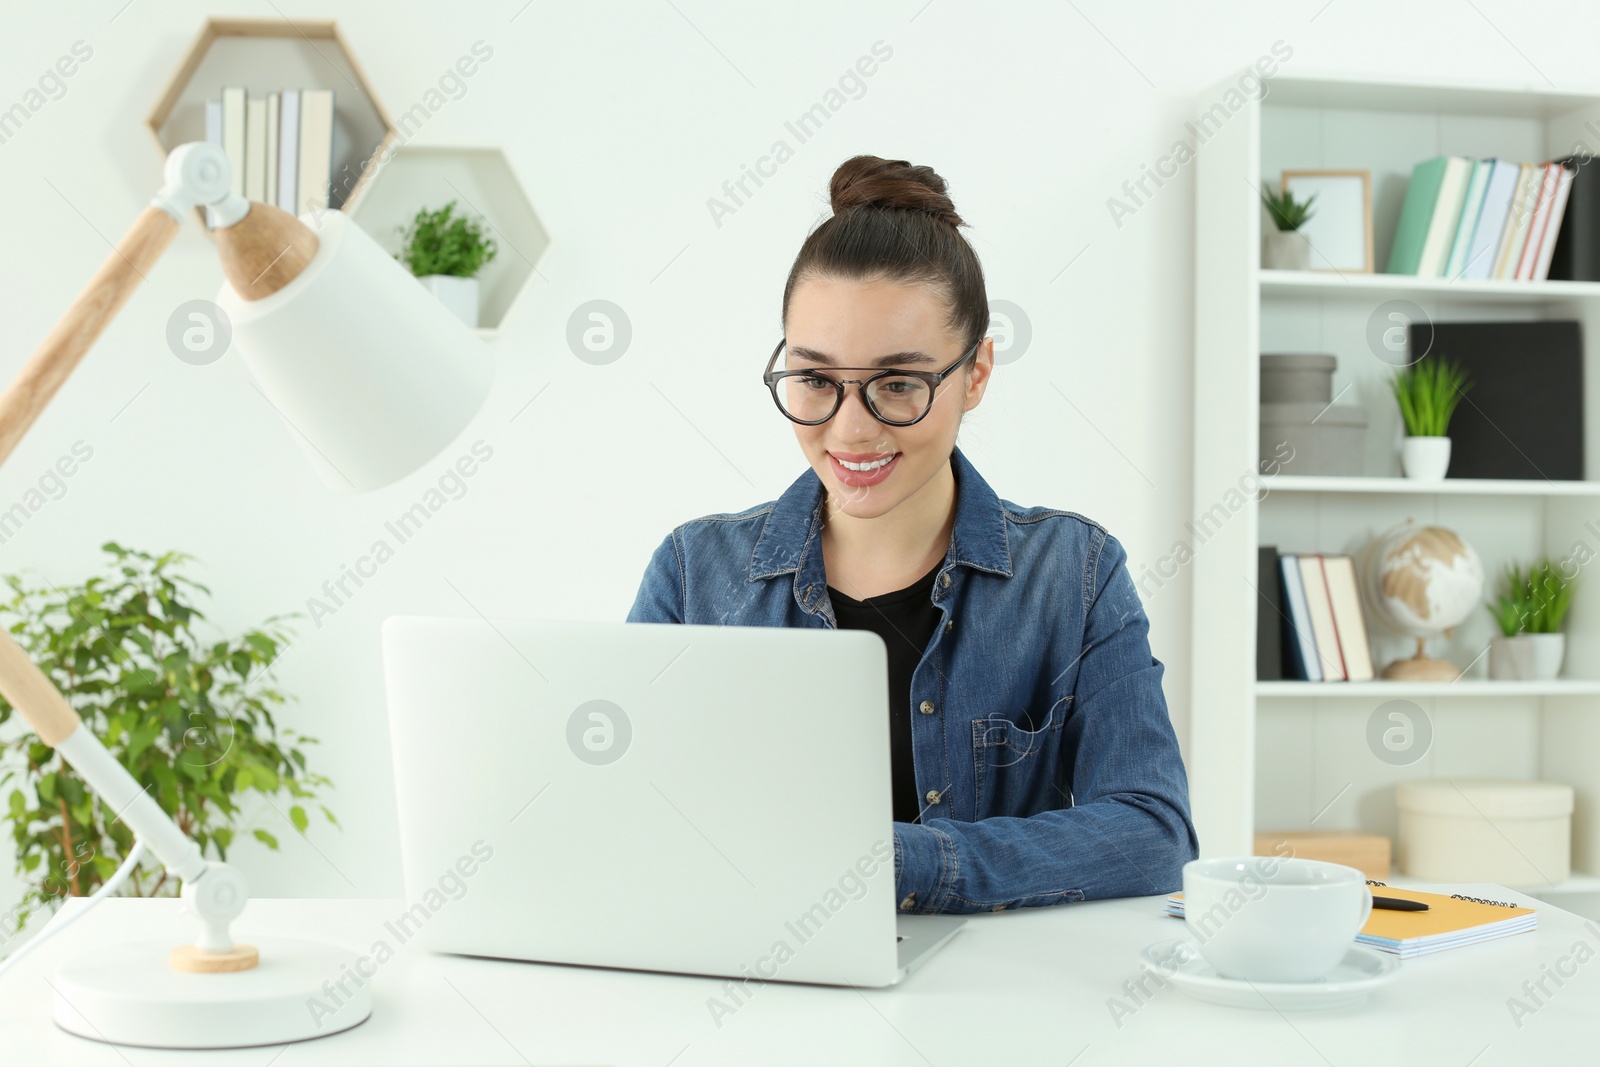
{"points": [[1309, 622], [1481, 219], [279, 146]]}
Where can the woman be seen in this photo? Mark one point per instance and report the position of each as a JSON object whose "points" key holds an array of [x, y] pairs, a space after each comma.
{"points": [[1032, 758]]}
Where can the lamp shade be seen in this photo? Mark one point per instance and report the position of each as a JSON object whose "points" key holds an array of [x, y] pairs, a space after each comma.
{"points": [[373, 375]]}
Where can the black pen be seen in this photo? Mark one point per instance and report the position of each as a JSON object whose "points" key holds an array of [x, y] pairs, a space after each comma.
{"points": [[1397, 904]]}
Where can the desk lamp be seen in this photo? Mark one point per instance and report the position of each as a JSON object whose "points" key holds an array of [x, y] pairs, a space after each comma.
{"points": [[375, 378]]}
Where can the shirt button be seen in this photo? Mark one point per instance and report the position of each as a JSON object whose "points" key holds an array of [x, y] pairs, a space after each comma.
{"points": [[998, 907], [944, 579], [932, 796], [909, 902], [947, 624], [926, 707]]}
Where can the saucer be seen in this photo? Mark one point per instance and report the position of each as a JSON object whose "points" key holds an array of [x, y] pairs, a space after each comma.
{"points": [[1362, 970]]}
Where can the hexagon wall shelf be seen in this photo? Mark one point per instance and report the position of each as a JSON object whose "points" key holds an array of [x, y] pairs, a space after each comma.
{"points": [[483, 184], [266, 55]]}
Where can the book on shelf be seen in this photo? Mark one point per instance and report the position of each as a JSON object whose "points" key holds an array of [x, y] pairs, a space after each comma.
{"points": [[1517, 222], [1541, 218], [288, 148], [255, 149], [1269, 616], [1322, 633], [1471, 208], [1576, 256], [1452, 921], [274, 136], [1344, 596], [233, 134], [213, 136], [316, 150], [1497, 194], [1481, 219], [1320, 609], [1297, 623], [1416, 216], [280, 146]]}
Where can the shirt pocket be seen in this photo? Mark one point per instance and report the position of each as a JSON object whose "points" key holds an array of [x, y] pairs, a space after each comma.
{"points": [[1017, 767]]}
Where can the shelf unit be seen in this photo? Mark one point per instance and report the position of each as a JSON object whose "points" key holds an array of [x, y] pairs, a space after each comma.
{"points": [[1287, 755], [264, 56], [483, 184]]}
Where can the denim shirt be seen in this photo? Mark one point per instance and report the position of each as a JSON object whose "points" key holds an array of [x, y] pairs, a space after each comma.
{"points": [[1043, 749]]}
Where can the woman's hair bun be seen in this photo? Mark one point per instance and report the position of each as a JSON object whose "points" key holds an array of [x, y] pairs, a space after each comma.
{"points": [[870, 181]]}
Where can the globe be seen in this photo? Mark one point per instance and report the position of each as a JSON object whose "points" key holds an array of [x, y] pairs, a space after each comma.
{"points": [[1422, 581]]}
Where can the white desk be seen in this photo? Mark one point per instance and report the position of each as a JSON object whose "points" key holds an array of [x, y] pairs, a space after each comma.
{"points": [[1023, 987]]}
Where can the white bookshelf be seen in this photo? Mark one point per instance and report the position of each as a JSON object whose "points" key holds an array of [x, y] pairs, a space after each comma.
{"points": [[1279, 755], [483, 184]]}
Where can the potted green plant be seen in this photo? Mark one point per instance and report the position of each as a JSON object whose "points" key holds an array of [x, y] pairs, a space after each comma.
{"points": [[1284, 247], [1428, 392], [190, 717], [1530, 612], [445, 251]]}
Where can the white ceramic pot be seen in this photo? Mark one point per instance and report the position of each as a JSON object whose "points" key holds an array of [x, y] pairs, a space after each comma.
{"points": [[459, 295], [1526, 657], [1285, 250], [1425, 458]]}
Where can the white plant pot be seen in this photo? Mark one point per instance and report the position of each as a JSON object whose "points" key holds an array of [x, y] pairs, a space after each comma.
{"points": [[459, 295], [1425, 458], [1526, 657], [1285, 250]]}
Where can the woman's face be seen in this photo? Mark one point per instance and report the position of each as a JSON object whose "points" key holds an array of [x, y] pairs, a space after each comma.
{"points": [[836, 323]]}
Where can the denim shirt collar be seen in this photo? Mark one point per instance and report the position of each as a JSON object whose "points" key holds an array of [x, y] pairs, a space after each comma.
{"points": [[791, 538]]}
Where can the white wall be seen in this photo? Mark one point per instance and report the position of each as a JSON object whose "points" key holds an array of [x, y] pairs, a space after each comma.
{"points": [[622, 119]]}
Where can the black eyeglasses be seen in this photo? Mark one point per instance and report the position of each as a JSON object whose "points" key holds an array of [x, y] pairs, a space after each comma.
{"points": [[896, 397]]}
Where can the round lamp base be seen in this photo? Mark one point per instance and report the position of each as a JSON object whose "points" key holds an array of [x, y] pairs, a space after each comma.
{"points": [[128, 994]]}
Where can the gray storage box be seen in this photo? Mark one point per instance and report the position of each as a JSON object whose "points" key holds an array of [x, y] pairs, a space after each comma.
{"points": [[1297, 378], [1335, 444]]}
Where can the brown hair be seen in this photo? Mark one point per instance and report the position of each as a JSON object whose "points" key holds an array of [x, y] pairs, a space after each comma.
{"points": [[893, 221]]}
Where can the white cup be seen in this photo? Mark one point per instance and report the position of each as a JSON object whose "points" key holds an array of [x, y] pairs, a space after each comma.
{"points": [[1270, 919]]}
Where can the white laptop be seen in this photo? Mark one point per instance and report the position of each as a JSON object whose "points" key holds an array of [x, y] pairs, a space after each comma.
{"points": [[709, 800]]}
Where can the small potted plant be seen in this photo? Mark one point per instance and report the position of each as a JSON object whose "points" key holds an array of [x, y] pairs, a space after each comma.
{"points": [[1428, 392], [1530, 612], [1285, 247], [445, 251]]}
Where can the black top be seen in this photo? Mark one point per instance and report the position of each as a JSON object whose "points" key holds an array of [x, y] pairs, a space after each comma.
{"points": [[906, 620]]}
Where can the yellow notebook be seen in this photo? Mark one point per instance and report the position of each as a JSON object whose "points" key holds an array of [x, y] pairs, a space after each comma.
{"points": [[1450, 921]]}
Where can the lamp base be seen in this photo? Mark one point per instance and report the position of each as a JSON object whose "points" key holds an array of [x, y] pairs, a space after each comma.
{"points": [[127, 994]]}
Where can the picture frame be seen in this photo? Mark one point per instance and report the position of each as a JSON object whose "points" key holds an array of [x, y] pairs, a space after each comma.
{"points": [[1340, 227]]}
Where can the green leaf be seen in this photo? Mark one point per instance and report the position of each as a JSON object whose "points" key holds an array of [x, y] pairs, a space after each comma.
{"points": [[180, 705]]}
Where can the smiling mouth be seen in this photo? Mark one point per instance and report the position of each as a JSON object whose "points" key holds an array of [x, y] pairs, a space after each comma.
{"points": [[862, 470], [881, 460]]}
